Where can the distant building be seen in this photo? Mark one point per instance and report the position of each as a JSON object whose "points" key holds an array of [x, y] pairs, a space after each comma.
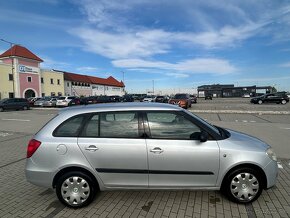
{"points": [[21, 76], [83, 85], [229, 90]]}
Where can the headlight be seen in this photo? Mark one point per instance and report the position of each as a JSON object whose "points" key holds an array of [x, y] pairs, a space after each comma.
{"points": [[270, 152]]}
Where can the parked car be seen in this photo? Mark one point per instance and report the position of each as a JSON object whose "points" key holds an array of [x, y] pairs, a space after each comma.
{"points": [[40, 102], [271, 98], [193, 99], [50, 102], [14, 104], [148, 98], [115, 98], [182, 100], [74, 102], [119, 146], [161, 99], [32, 100], [127, 98], [63, 101], [208, 97], [104, 99]]}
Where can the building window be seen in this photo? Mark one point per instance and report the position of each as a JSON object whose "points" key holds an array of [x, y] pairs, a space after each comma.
{"points": [[52, 94], [42, 94], [67, 84], [29, 79], [58, 82], [11, 95], [41, 79], [59, 94], [10, 77], [51, 81]]}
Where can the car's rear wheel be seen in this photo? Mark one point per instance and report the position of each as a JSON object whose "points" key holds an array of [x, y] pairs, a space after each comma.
{"points": [[260, 102], [25, 108], [283, 102], [243, 185], [75, 189]]}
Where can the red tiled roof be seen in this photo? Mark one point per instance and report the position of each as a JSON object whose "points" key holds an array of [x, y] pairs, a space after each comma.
{"points": [[110, 81], [20, 51]]}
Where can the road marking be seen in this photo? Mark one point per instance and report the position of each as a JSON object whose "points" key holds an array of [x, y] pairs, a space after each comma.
{"points": [[280, 165], [285, 128], [4, 134], [16, 120]]}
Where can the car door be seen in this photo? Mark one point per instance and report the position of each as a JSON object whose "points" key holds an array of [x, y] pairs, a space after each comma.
{"points": [[176, 157], [113, 145]]}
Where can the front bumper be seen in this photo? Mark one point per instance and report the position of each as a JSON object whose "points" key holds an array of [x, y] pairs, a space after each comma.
{"points": [[271, 171]]}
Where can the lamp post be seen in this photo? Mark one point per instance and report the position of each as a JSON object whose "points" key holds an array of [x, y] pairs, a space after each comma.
{"points": [[153, 86], [12, 63]]}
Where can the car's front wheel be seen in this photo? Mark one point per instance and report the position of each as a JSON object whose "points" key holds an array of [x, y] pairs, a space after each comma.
{"points": [[260, 102], [243, 185], [75, 189], [283, 102]]}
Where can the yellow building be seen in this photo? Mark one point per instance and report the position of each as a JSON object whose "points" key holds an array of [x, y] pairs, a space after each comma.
{"points": [[52, 83], [6, 80]]}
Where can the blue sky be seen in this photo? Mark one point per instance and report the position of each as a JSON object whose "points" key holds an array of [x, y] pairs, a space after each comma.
{"points": [[178, 44]]}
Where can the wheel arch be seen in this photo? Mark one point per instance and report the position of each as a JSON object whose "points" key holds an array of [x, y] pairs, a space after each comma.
{"points": [[74, 168], [247, 165]]}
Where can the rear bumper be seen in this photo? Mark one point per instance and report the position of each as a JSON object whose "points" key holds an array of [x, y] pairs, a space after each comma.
{"points": [[38, 177]]}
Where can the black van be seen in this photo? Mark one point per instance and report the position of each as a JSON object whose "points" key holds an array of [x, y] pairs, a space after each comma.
{"points": [[14, 104]]}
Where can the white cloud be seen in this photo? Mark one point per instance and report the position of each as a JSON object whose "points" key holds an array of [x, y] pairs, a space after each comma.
{"points": [[287, 64], [198, 65], [49, 63], [87, 69]]}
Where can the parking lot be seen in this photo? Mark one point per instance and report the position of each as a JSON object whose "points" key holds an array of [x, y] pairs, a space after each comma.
{"points": [[270, 123]]}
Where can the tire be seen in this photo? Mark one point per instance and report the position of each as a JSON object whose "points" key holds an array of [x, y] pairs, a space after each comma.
{"points": [[25, 108], [260, 102], [283, 102], [243, 185], [69, 189]]}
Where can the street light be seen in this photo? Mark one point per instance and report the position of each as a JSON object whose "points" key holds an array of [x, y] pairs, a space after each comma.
{"points": [[12, 63]]}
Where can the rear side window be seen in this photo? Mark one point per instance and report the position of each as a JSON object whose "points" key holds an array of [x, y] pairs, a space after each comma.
{"points": [[70, 127], [119, 125]]}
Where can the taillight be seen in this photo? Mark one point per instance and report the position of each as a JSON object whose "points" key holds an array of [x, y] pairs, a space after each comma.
{"points": [[32, 147]]}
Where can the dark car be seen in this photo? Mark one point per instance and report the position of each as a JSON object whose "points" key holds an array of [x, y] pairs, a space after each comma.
{"points": [[104, 99], [115, 98], [128, 98], [208, 97], [182, 100], [14, 104], [193, 99], [278, 98], [161, 99], [74, 102], [89, 100]]}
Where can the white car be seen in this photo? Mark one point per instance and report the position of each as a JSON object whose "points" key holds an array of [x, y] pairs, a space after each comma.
{"points": [[63, 101], [149, 98]]}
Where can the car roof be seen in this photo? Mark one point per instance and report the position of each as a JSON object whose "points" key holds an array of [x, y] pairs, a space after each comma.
{"points": [[128, 106]]}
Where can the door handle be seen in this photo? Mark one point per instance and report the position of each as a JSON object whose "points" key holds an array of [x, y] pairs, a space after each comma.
{"points": [[156, 150], [92, 148]]}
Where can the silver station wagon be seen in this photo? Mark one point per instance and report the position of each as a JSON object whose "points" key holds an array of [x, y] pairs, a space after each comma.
{"points": [[93, 148]]}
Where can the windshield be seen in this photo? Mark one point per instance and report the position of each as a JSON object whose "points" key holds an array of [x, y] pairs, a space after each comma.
{"points": [[180, 96]]}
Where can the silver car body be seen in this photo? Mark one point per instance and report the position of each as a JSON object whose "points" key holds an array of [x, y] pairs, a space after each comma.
{"points": [[124, 163]]}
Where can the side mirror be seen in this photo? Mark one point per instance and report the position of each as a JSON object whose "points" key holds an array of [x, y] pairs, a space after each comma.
{"points": [[203, 136]]}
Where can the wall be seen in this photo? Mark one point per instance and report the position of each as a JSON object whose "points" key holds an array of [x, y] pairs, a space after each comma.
{"points": [[107, 90], [6, 86], [48, 88], [33, 85]]}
